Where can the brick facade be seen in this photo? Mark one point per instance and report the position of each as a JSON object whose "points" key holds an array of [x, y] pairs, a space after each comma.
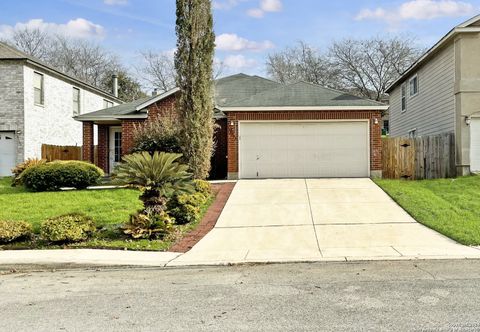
{"points": [[103, 148], [87, 147], [375, 129], [128, 127]]}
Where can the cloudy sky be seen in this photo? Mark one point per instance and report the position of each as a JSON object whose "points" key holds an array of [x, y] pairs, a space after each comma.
{"points": [[247, 30]]}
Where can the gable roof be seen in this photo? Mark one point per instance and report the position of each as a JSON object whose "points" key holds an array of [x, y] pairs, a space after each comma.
{"points": [[240, 86], [470, 26], [8, 52], [133, 109], [302, 95], [248, 93]]}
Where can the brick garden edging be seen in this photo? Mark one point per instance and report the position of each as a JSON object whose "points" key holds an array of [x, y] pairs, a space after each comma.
{"points": [[209, 219]]}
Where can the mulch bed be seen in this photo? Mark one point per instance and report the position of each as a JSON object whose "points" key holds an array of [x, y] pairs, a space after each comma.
{"points": [[209, 220]]}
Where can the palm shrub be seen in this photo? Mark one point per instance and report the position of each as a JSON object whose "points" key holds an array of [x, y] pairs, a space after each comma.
{"points": [[159, 176]]}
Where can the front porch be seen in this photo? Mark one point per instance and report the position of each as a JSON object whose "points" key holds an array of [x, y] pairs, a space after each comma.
{"points": [[113, 140]]}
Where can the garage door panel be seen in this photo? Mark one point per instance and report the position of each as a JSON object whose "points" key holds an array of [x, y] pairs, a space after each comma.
{"points": [[309, 149], [7, 152]]}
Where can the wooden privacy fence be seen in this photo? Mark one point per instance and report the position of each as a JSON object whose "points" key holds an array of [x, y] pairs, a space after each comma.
{"points": [[429, 157], [56, 152]]}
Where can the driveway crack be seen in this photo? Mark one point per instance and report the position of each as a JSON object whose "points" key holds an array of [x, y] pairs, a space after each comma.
{"points": [[311, 217]]}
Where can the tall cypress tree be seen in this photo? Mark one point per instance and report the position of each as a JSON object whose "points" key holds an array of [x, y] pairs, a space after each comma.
{"points": [[193, 64]]}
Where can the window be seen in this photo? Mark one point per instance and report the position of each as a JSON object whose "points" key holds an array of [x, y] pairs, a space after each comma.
{"points": [[117, 146], [414, 86], [386, 127], [404, 98], [107, 104], [76, 101], [38, 88]]}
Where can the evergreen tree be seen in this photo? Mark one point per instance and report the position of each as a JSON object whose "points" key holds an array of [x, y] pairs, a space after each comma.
{"points": [[193, 64]]}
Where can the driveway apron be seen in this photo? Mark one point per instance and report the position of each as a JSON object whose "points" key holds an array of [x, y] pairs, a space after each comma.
{"points": [[282, 220]]}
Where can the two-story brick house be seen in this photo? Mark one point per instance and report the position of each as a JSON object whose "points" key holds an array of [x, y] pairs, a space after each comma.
{"points": [[37, 106]]}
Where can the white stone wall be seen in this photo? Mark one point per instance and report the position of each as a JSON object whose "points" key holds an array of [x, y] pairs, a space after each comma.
{"points": [[53, 122]]}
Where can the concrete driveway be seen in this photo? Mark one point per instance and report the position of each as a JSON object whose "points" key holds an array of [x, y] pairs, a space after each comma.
{"points": [[316, 219]]}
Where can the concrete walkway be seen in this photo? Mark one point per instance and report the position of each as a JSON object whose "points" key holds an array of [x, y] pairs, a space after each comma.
{"points": [[317, 220]]}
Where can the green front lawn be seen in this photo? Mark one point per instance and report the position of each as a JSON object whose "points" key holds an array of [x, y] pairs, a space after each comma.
{"points": [[449, 206], [108, 208], [104, 206]]}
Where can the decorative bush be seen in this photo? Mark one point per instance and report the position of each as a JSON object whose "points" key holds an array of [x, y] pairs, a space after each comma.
{"points": [[160, 135], [57, 174], [73, 227], [186, 208], [203, 187], [20, 168], [14, 230], [147, 226]]}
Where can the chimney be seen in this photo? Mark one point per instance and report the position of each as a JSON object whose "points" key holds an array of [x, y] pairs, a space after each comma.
{"points": [[115, 85]]}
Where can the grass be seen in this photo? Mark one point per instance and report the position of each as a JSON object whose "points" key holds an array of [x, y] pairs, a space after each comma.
{"points": [[449, 206], [108, 208], [104, 206]]}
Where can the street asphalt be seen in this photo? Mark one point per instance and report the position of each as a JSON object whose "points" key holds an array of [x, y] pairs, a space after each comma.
{"points": [[362, 296]]}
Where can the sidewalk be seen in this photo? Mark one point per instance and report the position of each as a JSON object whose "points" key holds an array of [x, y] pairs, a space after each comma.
{"points": [[101, 257]]}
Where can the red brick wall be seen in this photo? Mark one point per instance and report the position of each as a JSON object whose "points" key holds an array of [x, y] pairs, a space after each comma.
{"points": [[103, 147], [375, 129], [87, 147], [127, 134], [163, 108]]}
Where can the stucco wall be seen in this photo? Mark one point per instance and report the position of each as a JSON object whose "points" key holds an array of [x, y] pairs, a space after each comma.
{"points": [[11, 102], [467, 94], [53, 122]]}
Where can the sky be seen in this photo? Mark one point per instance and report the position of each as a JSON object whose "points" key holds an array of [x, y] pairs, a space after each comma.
{"points": [[247, 30]]}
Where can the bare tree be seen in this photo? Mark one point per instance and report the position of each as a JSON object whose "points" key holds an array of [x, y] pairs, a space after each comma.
{"points": [[301, 63], [369, 66], [81, 58], [158, 69], [363, 67], [34, 42]]}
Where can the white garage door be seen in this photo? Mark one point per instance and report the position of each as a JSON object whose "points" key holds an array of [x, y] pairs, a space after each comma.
{"points": [[303, 149], [7, 152], [475, 145]]}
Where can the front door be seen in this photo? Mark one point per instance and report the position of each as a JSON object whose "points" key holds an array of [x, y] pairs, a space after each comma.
{"points": [[115, 150]]}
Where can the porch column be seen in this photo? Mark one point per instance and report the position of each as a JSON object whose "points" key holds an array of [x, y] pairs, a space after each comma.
{"points": [[103, 148], [87, 147]]}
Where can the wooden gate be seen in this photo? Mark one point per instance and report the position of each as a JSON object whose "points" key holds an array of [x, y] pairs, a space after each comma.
{"points": [[429, 157]]}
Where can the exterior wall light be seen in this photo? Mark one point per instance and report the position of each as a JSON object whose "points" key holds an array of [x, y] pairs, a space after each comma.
{"points": [[468, 120]]}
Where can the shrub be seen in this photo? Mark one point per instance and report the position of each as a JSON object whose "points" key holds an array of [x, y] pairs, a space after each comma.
{"points": [[159, 176], [147, 226], [20, 168], [58, 174], [186, 208], [14, 230], [73, 227], [203, 187], [161, 135]]}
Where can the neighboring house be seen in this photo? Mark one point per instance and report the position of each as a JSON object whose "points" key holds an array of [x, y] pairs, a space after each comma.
{"points": [[37, 105], [440, 93], [267, 130]]}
